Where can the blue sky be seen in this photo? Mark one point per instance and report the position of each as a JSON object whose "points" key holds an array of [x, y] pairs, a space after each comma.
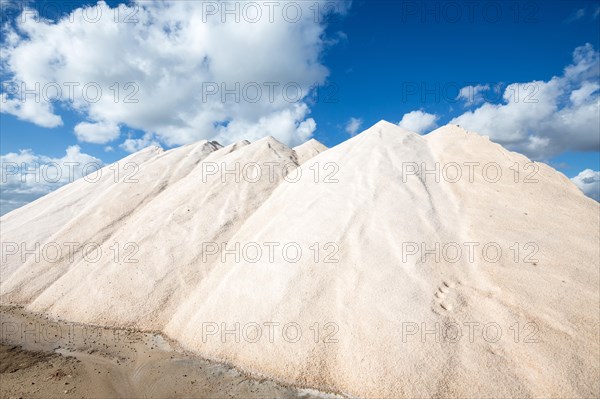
{"points": [[371, 60]]}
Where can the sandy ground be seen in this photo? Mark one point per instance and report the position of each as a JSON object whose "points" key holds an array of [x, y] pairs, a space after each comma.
{"points": [[40, 358]]}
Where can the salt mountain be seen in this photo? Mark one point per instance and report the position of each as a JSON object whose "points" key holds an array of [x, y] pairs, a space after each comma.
{"points": [[399, 290]]}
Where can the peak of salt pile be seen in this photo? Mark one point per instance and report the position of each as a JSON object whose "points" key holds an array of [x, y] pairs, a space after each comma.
{"points": [[308, 150], [390, 284]]}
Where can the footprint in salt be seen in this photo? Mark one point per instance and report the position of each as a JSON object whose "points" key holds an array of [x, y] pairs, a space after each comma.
{"points": [[444, 297]]}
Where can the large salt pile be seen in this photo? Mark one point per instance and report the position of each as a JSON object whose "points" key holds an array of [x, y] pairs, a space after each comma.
{"points": [[393, 265]]}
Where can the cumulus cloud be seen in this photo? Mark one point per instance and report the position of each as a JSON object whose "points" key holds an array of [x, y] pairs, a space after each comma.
{"points": [[98, 133], [473, 95], [133, 145], [589, 182], [27, 176], [418, 121], [353, 125], [33, 111], [181, 71], [289, 125], [544, 118]]}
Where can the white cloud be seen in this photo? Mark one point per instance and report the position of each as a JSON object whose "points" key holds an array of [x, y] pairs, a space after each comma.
{"points": [[577, 15], [353, 125], [159, 74], [27, 176], [542, 119], [288, 125], [580, 96], [98, 133], [306, 129], [589, 182], [581, 13], [30, 110], [134, 145], [473, 94], [418, 121]]}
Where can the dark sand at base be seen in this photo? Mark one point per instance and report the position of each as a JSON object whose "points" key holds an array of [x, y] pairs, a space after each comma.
{"points": [[42, 358]]}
